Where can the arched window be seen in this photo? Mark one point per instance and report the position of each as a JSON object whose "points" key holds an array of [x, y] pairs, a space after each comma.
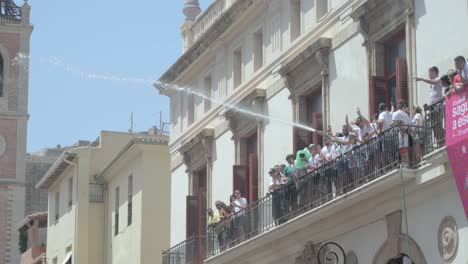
{"points": [[2, 74]]}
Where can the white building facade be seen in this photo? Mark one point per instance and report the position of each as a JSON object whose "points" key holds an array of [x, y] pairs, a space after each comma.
{"points": [[310, 62]]}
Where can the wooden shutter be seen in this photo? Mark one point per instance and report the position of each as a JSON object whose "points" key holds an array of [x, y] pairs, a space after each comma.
{"points": [[240, 179], [378, 94], [402, 80], [191, 216], [317, 123], [253, 178], [202, 214], [301, 138]]}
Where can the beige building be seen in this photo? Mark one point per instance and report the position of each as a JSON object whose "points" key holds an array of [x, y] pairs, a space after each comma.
{"points": [[108, 201], [311, 62]]}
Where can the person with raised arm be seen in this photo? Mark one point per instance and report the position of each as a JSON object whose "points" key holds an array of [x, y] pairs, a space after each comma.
{"points": [[436, 87]]}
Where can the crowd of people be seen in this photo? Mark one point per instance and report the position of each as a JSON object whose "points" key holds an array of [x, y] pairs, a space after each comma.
{"points": [[294, 189]]}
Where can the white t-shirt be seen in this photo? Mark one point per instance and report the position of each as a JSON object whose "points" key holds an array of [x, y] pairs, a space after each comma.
{"points": [[386, 119], [464, 72], [274, 181], [344, 147], [417, 118], [239, 202], [402, 116], [436, 92], [328, 152], [360, 132]]}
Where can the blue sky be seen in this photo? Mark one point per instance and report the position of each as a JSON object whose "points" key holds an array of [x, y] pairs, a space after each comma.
{"points": [[138, 39]]}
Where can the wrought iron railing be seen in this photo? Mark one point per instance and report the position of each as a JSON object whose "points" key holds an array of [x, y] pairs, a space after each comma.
{"points": [[351, 170], [434, 123], [186, 252], [96, 193], [207, 19], [9, 12]]}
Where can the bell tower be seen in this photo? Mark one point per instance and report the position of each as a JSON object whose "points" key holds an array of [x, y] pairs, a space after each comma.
{"points": [[15, 32]]}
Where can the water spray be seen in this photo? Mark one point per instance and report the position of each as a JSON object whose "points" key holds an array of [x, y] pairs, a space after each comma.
{"points": [[23, 59], [188, 90]]}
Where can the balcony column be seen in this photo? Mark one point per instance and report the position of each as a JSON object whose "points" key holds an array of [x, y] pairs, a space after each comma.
{"points": [[25, 13], [410, 31], [35, 233], [322, 59], [258, 105]]}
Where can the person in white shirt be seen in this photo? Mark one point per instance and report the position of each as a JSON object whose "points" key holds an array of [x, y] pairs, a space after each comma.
{"points": [[402, 119], [462, 68], [384, 121], [436, 89], [328, 151], [417, 138], [239, 217], [362, 126]]}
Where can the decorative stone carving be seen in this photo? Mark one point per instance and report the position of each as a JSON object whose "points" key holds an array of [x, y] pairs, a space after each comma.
{"points": [[191, 9], [2, 145], [309, 254], [448, 238], [351, 258], [198, 150], [322, 59]]}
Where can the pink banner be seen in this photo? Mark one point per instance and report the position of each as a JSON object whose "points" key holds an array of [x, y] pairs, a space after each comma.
{"points": [[456, 127]]}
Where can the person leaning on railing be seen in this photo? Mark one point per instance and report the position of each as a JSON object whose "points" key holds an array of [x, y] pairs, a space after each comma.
{"points": [[214, 229], [401, 118], [290, 173]]}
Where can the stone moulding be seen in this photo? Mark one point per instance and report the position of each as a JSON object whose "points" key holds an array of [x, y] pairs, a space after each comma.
{"points": [[229, 17], [448, 238]]}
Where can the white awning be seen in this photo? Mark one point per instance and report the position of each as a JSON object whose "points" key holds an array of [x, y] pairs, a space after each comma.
{"points": [[67, 258]]}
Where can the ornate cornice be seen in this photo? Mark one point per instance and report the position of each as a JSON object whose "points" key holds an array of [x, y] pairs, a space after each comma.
{"points": [[233, 14], [255, 99], [316, 53], [197, 149]]}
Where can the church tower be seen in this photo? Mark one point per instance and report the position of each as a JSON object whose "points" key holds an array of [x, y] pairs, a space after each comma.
{"points": [[15, 32]]}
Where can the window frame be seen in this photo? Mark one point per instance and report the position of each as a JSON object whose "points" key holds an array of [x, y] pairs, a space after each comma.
{"points": [[130, 201], [116, 210]]}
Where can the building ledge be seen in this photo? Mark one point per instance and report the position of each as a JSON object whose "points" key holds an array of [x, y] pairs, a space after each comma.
{"points": [[56, 170]]}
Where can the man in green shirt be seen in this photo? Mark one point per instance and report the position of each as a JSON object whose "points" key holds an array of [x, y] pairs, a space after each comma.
{"points": [[213, 218], [214, 230]]}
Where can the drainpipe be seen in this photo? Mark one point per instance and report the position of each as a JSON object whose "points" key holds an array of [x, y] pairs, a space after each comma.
{"points": [[75, 166], [106, 216]]}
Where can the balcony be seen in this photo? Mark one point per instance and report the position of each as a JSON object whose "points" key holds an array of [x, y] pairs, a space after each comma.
{"points": [[207, 19], [96, 193], [352, 171], [10, 12]]}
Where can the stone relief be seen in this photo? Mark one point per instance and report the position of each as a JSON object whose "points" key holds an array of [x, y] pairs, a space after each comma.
{"points": [[351, 258], [448, 238], [309, 254], [2, 145]]}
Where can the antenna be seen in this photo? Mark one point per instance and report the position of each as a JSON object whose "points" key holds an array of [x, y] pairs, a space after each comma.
{"points": [[160, 121], [131, 123]]}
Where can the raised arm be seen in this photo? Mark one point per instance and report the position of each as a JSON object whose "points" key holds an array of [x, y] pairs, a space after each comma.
{"points": [[428, 81], [363, 118], [347, 123]]}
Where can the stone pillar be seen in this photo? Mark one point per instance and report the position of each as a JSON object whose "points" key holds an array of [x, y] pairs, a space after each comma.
{"points": [[411, 56], [25, 13], [322, 58], [260, 158], [187, 35], [191, 10]]}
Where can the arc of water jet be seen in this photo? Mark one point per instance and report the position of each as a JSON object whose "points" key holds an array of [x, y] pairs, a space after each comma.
{"points": [[55, 61], [190, 91]]}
